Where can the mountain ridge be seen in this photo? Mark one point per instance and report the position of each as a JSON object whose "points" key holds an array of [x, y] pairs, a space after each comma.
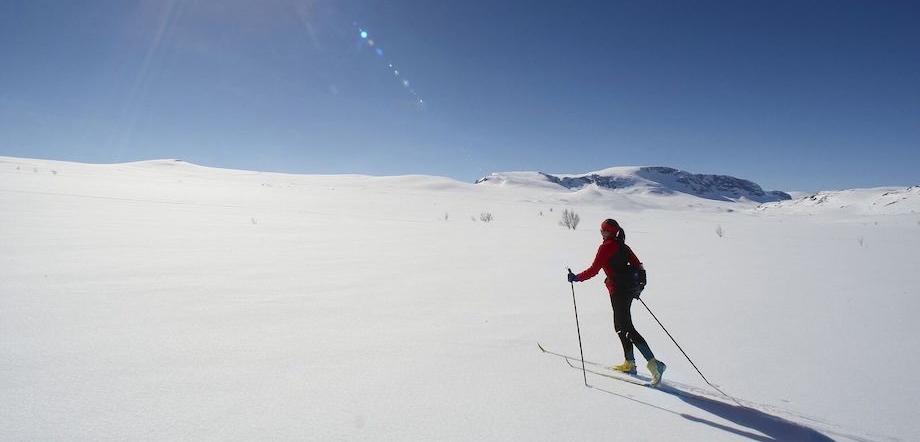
{"points": [[656, 180], [630, 185]]}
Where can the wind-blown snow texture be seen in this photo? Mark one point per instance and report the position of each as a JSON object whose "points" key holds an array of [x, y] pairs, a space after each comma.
{"points": [[167, 301]]}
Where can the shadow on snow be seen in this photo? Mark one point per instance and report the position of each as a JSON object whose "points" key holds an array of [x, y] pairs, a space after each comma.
{"points": [[772, 428]]}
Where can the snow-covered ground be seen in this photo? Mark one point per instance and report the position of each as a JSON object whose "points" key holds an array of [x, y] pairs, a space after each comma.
{"points": [[164, 301]]}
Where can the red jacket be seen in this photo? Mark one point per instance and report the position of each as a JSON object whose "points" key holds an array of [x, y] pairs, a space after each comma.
{"points": [[602, 261]]}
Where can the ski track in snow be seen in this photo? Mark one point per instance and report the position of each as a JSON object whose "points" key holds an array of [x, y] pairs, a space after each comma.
{"points": [[775, 422]]}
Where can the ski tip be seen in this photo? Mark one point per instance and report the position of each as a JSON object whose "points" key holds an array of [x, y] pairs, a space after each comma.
{"points": [[541, 347]]}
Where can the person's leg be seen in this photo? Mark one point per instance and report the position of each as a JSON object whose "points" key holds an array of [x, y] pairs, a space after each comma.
{"points": [[622, 323], [629, 336]]}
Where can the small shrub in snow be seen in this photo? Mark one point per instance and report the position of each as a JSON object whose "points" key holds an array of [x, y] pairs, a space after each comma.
{"points": [[720, 231], [570, 219], [486, 217]]}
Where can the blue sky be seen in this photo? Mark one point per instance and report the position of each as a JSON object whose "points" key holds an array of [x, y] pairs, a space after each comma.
{"points": [[797, 95]]}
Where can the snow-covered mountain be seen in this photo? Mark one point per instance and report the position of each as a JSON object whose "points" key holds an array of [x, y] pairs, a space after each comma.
{"points": [[648, 181]]}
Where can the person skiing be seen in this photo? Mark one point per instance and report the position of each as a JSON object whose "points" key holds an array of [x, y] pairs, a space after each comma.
{"points": [[617, 259]]}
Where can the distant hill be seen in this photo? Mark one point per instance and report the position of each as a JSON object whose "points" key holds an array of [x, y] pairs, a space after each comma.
{"points": [[647, 180], [881, 200]]}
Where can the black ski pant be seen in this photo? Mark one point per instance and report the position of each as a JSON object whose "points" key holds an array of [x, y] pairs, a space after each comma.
{"points": [[622, 323]]}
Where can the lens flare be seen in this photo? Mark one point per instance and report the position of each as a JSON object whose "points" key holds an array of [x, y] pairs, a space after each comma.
{"points": [[366, 40]]}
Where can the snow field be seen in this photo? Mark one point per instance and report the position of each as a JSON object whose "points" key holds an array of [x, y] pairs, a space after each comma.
{"points": [[166, 301]]}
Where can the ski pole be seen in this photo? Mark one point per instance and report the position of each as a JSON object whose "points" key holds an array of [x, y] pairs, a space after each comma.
{"points": [[584, 372], [685, 354]]}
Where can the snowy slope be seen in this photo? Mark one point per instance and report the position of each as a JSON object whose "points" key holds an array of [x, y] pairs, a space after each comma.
{"points": [[882, 200], [167, 301]]}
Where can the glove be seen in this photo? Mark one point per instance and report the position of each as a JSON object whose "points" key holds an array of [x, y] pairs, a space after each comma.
{"points": [[636, 293], [572, 277]]}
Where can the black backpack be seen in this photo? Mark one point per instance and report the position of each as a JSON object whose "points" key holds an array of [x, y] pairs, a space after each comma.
{"points": [[628, 279]]}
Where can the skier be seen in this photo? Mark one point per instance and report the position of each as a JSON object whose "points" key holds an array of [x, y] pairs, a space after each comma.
{"points": [[616, 258]]}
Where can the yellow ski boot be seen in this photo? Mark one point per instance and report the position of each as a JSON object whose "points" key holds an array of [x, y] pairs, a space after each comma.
{"points": [[628, 367], [657, 368]]}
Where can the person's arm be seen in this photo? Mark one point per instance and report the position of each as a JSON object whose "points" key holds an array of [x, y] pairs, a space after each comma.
{"points": [[603, 254]]}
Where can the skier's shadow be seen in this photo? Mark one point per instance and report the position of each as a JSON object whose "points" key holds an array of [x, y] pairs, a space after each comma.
{"points": [[772, 428]]}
